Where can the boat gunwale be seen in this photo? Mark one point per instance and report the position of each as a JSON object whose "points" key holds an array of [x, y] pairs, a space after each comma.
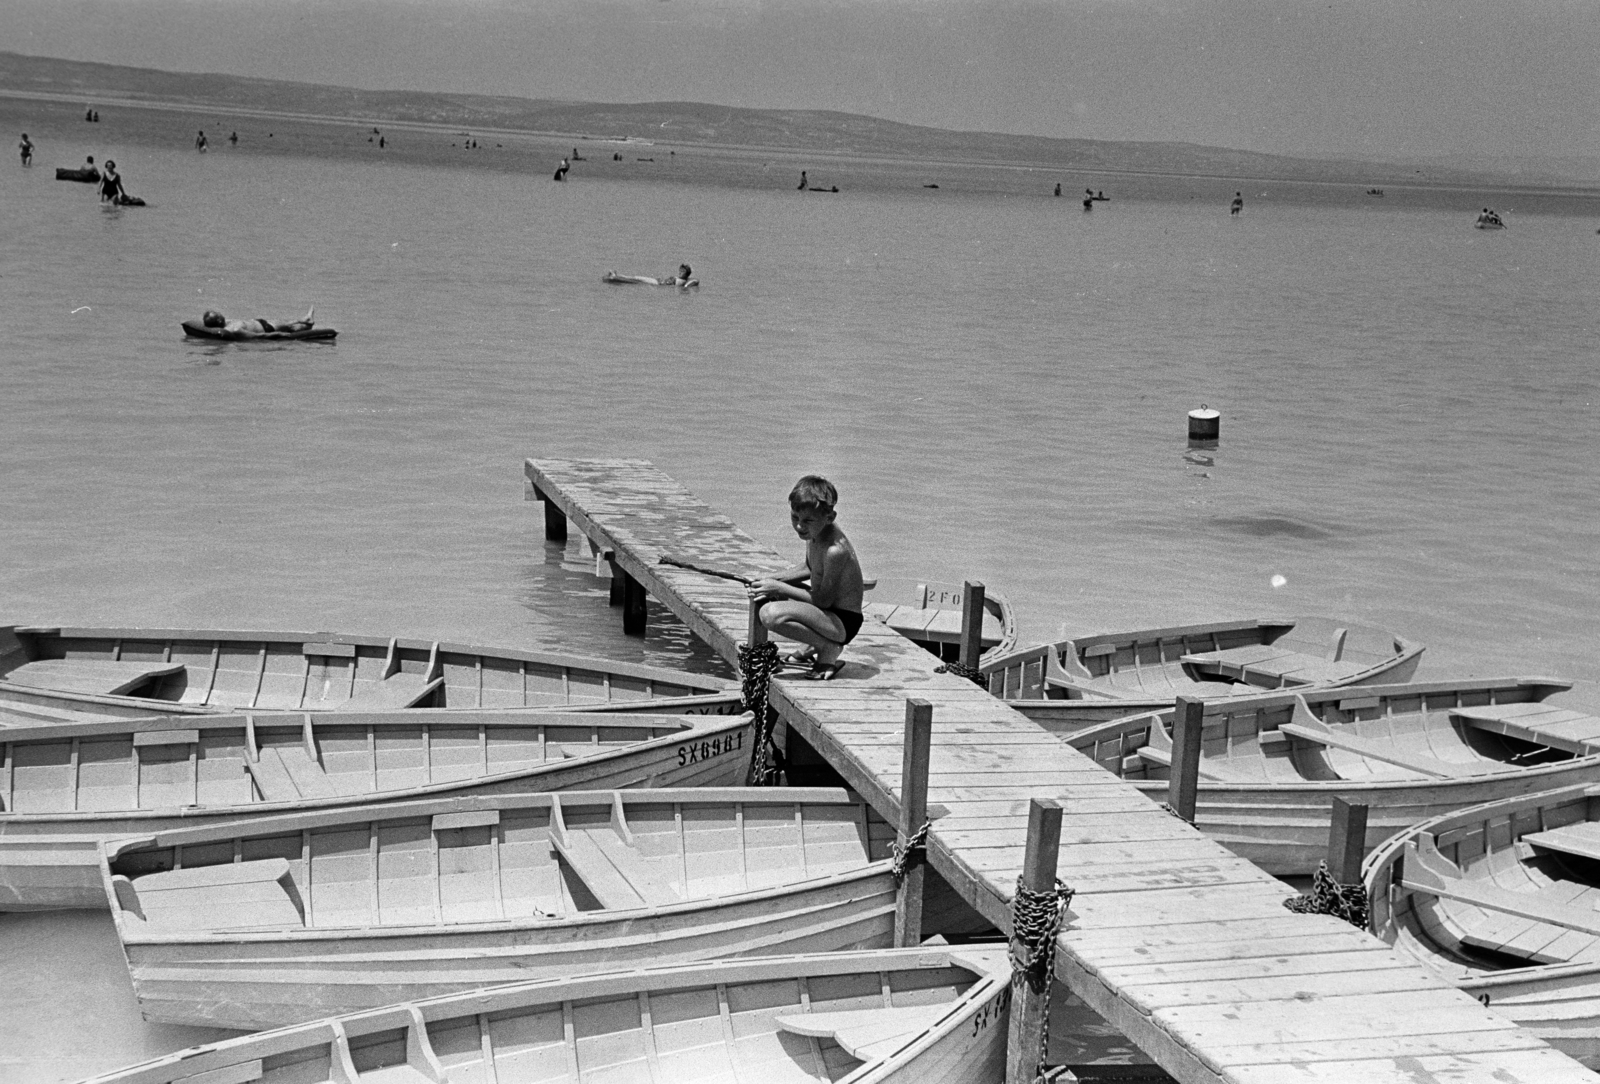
{"points": [[252, 812], [606, 984]]}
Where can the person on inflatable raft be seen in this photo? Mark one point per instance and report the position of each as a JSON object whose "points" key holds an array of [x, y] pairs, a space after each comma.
{"points": [[215, 319]]}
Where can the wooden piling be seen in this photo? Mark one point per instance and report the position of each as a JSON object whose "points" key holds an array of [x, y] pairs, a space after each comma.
{"points": [[555, 520], [614, 598], [1347, 841], [1030, 1002], [971, 623], [757, 633], [633, 607], [913, 813], [1185, 779]]}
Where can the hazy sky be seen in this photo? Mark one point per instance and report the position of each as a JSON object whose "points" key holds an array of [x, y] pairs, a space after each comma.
{"points": [[1383, 77]]}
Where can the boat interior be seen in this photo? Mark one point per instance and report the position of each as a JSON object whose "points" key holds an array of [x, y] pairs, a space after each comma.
{"points": [[517, 858], [1513, 885], [787, 1020], [929, 614], [1370, 733], [249, 760], [1219, 659], [295, 671]]}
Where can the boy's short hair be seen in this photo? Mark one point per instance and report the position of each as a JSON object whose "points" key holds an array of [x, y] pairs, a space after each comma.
{"points": [[813, 492]]}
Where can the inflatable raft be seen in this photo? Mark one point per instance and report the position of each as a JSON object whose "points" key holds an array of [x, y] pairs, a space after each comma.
{"points": [[86, 174], [198, 330], [646, 280]]}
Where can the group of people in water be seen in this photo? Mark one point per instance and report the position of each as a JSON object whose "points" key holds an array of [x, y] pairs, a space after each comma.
{"points": [[1489, 219]]}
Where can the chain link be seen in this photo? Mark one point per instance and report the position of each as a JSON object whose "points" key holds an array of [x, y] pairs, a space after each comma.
{"points": [[961, 669], [756, 666], [1329, 897], [1035, 923], [914, 851]]}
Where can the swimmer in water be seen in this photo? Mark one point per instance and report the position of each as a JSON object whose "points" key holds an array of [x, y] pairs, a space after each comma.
{"points": [[214, 319], [200, 142], [26, 147], [1238, 203]]}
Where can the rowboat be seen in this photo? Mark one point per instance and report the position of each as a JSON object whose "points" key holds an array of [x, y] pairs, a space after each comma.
{"points": [[66, 789], [1271, 764], [278, 920], [928, 614], [934, 1016], [1116, 674], [134, 672], [1500, 900]]}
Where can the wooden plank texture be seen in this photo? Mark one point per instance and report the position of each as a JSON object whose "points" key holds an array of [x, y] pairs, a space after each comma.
{"points": [[1179, 943]]}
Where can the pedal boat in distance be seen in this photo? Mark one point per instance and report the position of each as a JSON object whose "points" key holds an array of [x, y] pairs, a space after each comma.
{"points": [[931, 1015], [928, 613], [275, 920], [1272, 763], [136, 672], [65, 789], [1500, 900], [1093, 679]]}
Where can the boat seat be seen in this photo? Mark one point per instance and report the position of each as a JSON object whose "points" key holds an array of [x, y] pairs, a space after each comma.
{"points": [[1314, 730], [96, 677], [1428, 871], [395, 691], [1542, 724], [617, 874], [228, 896], [867, 1034], [1581, 839], [1270, 667], [286, 774]]}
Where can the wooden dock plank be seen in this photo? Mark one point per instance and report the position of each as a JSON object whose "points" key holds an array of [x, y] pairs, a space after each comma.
{"points": [[1180, 944]]}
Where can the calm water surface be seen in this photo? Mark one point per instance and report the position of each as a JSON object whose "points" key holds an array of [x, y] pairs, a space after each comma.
{"points": [[997, 384]]}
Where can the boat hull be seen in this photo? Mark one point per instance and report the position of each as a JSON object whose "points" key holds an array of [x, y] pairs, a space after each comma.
{"points": [[51, 860]]}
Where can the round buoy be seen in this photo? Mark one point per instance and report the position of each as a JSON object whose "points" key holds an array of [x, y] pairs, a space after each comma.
{"points": [[1205, 425]]}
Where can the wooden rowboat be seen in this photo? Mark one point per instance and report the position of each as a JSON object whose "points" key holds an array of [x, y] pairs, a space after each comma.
{"points": [[1271, 764], [277, 920], [1500, 899], [133, 672], [933, 1016], [1116, 674], [929, 614], [66, 789]]}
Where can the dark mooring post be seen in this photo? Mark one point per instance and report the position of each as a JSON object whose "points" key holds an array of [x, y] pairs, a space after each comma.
{"points": [[615, 596], [1185, 779], [555, 520], [1347, 841], [1030, 994], [757, 632], [971, 623], [633, 610], [913, 813]]}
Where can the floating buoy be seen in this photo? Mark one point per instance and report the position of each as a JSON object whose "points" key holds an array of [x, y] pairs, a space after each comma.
{"points": [[1205, 427]]}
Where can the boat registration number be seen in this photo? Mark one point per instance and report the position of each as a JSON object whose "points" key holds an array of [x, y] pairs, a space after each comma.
{"points": [[695, 752], [993, 1011]]}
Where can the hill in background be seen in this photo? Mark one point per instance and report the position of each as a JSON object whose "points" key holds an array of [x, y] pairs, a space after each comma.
{"points": [[683, 123]]}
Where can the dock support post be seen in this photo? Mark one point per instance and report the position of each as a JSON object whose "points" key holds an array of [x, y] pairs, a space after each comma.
{"points": [[633, 609], [913, 814], [614, 598], [757, 632], [1030, 991], [971, 623], [1185, 779], [1347, 841], [555, 520]]}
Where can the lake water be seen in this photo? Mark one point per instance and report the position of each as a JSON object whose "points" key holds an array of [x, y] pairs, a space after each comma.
{"points": [[996, 380]]}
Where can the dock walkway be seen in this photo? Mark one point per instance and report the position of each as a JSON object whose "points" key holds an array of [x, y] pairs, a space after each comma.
{"points": [[1184, 947]]}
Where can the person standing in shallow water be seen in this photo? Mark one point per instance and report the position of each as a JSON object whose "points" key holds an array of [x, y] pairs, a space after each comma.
{"points": [[802, 187], [200, 142], [1238, 203], [26, 147]]}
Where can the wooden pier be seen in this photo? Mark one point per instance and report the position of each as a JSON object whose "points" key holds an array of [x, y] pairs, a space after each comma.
{"points": [[1184, 947]]}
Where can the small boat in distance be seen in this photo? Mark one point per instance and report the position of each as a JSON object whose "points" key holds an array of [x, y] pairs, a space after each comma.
{"points": [[67, 789], [138, 672], [1500, 900], [275, 920], [936, 1015], [1146, 670], [1271, 764], [928, 613]]}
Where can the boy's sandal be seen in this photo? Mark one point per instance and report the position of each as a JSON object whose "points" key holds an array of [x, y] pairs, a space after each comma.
{"points": [[824, 671], [805, 660]]}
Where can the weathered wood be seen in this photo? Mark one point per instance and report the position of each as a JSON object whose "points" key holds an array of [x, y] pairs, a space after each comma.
{"points": [[756, 632], [1347, 841], [1187, 721], [555, 520], [971, 623], [913, 812], [635, 613], [1030, 1000]]}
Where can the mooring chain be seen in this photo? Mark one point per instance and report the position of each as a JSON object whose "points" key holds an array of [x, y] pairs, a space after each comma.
{"points": [[1329, 897], [757, 664], [961, 669], [914, 851], [1035, 923], [1170, 808]]}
